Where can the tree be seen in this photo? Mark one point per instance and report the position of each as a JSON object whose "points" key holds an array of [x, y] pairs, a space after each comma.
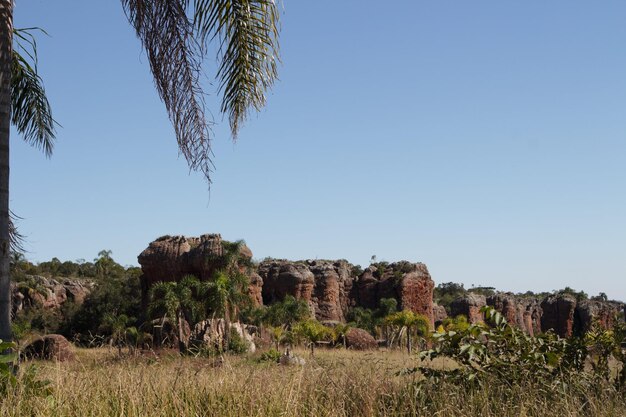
{"points": [[225, 295], [174, 35], [181, 301], [312, 331], [411, 322]]}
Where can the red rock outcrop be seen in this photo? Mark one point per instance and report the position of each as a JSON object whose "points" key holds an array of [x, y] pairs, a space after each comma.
{"points": [[331, 288], [469, 306], [49, 347], [558, 314], [409, 283], [359, 339], [282, 278], [169, 258], [333, 285], [325, 285], [439, 313], [49, 293], [589, 312]]}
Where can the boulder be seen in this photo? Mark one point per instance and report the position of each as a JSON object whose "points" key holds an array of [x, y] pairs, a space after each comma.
{"points": [[469, 305], [359, 339], [558, 314], [289, 359], [50, 347], [212, 333]]}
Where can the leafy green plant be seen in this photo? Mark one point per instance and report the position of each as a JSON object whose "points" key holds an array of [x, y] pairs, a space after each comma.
{"points": [[28, 382], [503, 352], [311, 331], [410, 323], [236, 343], [271, 355]]}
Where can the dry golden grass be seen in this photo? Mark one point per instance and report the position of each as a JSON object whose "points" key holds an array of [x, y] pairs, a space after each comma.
{"points": [[336, 383]]}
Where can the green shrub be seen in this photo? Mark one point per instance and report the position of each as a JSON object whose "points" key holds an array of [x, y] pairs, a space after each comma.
{"points": [[271, 355], [236, 343]]}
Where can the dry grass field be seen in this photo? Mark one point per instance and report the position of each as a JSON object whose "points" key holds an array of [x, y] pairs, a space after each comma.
{"points": [[335, 383]]}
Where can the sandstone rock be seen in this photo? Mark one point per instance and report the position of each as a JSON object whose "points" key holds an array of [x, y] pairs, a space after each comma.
{"points": [[169, 258], [506, 304], [50, 347], [289, 359], [558, 314], [439, 314], [48, 292], [282, 278], [409, 283], [589, 312], [469, 306], [212, 333], [255, 291], [331, 292], [359, 339]]}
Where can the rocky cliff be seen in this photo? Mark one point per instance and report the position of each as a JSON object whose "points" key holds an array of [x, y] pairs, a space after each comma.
{"points": [[38, 291], [561, 313], [332, 287]]}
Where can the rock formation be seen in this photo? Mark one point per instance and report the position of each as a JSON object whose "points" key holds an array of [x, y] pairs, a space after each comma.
{"points": [[325, 285], [49, 293], [469, 306], [439, 314], [282, 278], [49, 347], [213, 333], [169, 258], [558, 314], [359, 339], [331, 288], [409, 283], [589, 312]]}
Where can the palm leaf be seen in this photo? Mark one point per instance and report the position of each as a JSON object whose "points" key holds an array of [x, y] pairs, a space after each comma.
{"points": [[30, 110], [175, 59], [248, 53]]}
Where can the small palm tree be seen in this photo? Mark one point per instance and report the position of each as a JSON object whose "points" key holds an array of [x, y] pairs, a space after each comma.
{"points": [[340, 332], [409, 322], [312, 331], [117, 325], [180, 300], [225, 296]]}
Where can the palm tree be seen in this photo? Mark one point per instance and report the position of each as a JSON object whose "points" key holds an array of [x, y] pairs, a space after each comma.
{"points": [[181, 301], [175, 35], [225, 295], [410, 322]]}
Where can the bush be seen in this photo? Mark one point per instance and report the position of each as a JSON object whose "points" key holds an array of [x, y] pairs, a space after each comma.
{"points": [[271, 355], [502, 354], [236, 343]]}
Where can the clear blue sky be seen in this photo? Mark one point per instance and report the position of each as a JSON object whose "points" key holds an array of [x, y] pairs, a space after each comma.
{"points": [[485, 139]]}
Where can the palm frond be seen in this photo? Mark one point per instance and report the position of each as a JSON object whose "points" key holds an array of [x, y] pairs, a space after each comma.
{"points": [[175, 57], [248, 53], [30, 110], [16, 239]]}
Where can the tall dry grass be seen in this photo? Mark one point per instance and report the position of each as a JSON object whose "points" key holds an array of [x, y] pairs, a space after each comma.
{"points": [[335, 383]]}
